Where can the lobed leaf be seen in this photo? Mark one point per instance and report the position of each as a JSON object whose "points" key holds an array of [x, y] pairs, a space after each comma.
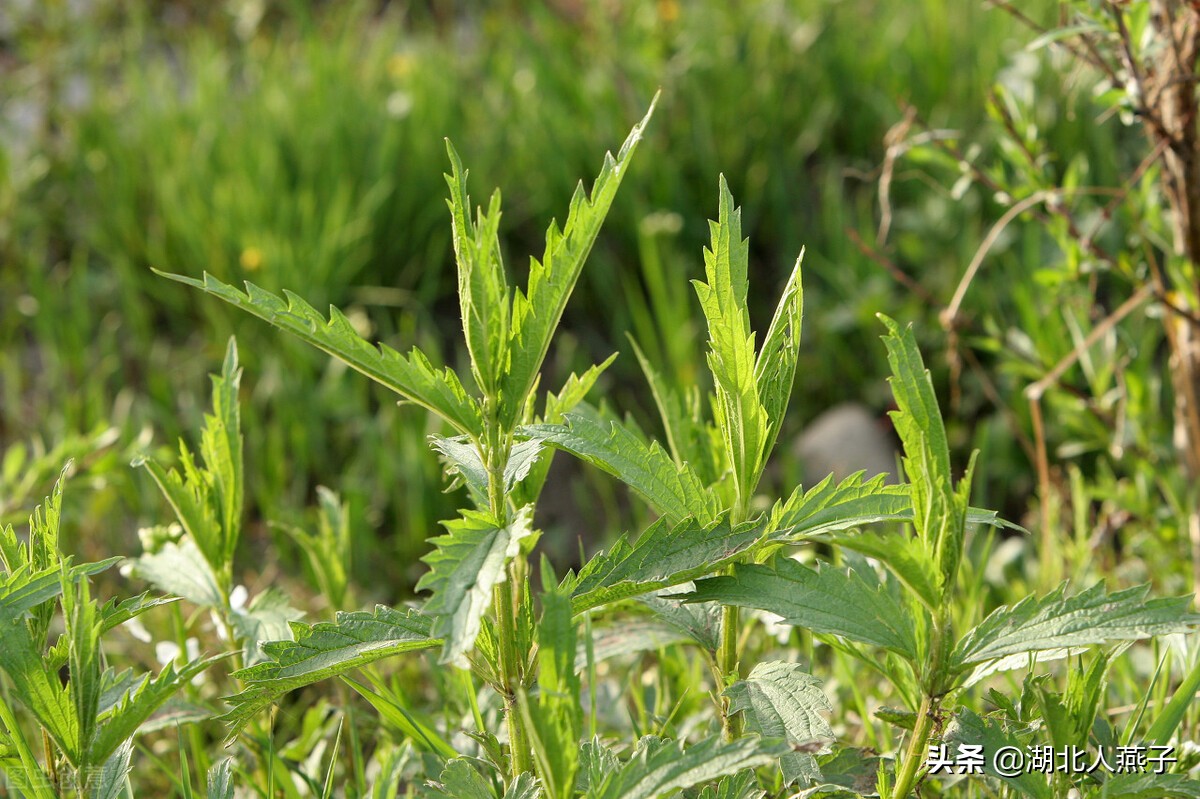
{"points": [[1058, 622], [663, 556], [327, 650], [412, 375], [826, 600], [464, 567]]}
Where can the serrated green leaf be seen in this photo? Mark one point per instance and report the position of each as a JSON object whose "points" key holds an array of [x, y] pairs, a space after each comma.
{"points": [[701, 622], [463, 458], [661, 768], [181, 569], [628, 637], [673, 490], [83, 635], [903, 554], [482, 287], [939, 508], [327, 650], [781, 700], [108, 781], [663, 556], [968, 728], [525, 786], [775, 367], [461, 780], [537, 311], [220, 779], [1058, 622], [573, 391], [466, 565], [188, 494], [827, 600], [37, 686], [742, 785], [412, 376], [23, 589], [688, 435], [845, 774], [554, 716], [829, 507], [596, 764], [221, 448], [114, 612], [128, 716], [1150, 786], [266, 618]]}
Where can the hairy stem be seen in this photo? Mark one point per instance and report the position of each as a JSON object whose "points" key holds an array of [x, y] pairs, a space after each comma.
{"points": [[728, 657], [506, 602], [727, 664], [914, 756]]}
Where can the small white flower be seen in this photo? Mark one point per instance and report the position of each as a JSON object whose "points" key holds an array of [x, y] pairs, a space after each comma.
{"points": [[138, 630], [165, 652], [238, 597]]}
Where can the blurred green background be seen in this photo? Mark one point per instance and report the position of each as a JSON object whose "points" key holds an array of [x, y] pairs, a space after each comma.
{"points": [[300, 145]]}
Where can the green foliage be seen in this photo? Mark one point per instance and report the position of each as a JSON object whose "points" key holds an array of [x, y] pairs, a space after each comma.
{"points": [[1090, 617], [326, 650], [607, 653], [464, 568], [844, 602], [780, 700], [659, 767], [80, 717]]}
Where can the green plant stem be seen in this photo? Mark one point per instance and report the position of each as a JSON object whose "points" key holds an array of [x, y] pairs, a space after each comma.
{"points": [[506, 602], [914, 755], [727, 664], [727, 655], [18, 741], [510, 674]]}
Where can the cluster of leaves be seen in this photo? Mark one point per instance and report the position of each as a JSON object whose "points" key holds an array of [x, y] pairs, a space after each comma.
{"points": [[714, 543]]}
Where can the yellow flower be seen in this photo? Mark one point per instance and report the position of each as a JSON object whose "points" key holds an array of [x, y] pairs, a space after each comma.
{"points": [[399, 65], [668, 10], [252, 259]]}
